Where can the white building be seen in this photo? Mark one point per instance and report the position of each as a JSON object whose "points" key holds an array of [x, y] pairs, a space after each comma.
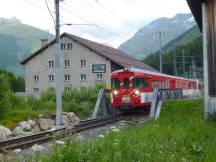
{"points": [[84, 64]]}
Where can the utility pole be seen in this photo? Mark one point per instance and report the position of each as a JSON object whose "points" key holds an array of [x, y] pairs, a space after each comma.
{"points": [[174, 62], [194, 71], [183, 59], [58, 68], [190, 73], [160, 43]]}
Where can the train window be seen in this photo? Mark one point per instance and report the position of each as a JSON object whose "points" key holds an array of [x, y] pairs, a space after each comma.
{"points": [[163, 84], [126, 83], [140, 82], [152, 84], [115, 83], [167, 84]]}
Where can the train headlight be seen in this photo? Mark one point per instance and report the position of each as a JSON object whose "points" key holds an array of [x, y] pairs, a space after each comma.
{"points": [[137, 92], [115, 92]]}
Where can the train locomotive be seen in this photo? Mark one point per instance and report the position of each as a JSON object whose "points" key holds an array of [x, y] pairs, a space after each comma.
{"points": [[132, 88]]}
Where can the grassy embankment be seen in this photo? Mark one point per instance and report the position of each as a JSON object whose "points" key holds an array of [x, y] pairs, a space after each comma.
{"points": [[181, 134], [80, 102]]}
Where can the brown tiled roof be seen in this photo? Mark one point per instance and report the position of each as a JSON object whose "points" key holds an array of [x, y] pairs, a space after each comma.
{"points": [[110, 53]]}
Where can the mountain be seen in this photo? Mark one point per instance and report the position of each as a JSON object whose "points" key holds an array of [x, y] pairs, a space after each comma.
{"points": [[146, 39], [190, 43], [18, 40], [184, 38]]}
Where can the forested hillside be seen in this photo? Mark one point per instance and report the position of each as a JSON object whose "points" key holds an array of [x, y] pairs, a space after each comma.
{"points": [[146, 39], [185, 38], [192, 52]]}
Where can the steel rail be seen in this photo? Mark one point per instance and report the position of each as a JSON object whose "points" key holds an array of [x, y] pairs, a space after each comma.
{"points": [[47, 136]]}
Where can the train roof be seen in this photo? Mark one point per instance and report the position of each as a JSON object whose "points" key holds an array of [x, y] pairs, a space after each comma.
{"points": [[135, 70]]}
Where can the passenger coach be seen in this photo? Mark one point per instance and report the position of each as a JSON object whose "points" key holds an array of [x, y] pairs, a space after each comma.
{"points": [[132, 88]]}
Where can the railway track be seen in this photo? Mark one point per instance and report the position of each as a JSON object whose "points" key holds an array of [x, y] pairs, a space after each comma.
{"points": [[48, 136]]}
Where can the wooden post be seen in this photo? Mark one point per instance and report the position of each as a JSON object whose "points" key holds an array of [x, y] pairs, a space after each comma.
{"points": [[209, 55]]}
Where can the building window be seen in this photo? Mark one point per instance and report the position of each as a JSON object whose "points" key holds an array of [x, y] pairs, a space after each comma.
{"points": [[66, 89], [99, 76], [51, 64], [66, 63], [83, 77], [67, 77], [36, 89], [99, 68], [82, 63], [63, 46], [51, 78], [69, 46], [36, 78]]}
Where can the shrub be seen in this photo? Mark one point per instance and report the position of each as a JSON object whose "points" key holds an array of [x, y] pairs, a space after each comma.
{"points": [[5, 96]]}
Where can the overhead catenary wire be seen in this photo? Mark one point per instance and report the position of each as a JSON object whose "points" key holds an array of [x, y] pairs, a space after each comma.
{"points": [[39, 6], [98, 34], [50, 11], [44, 8], [63, 22], [34, 4], [88, 21], [114, 34], [105, 30], [112, 12]]}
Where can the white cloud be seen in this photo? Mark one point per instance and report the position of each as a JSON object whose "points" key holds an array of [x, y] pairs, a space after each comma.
{"points": [[120, 17]]}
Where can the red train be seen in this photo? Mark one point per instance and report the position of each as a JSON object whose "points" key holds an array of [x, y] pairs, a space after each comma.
{"points": [[132, 88]]}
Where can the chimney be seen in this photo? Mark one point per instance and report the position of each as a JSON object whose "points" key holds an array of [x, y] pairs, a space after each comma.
{"points": [[44, 42]]}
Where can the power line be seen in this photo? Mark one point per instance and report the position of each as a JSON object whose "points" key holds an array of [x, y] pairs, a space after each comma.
{"points": [[34, 4], [111, 13], [80, 17], [114, 13], [174, 62], [160, 46], [99, 34], [41, 7], [50, 11], [108, 31], [96, 25]]}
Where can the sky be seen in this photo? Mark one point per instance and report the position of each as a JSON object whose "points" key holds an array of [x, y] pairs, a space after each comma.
{"points": [[109, 22]]}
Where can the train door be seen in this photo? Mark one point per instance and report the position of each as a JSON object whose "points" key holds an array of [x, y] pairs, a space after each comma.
{"points": [[149, 83]]}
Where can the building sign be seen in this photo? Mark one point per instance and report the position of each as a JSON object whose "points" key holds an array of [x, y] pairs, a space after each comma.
{"points": [[99, 68]]}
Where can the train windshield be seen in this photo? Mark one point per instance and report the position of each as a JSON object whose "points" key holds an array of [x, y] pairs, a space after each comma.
{"points": [[115, 83], [126, 83], [140, 82]]}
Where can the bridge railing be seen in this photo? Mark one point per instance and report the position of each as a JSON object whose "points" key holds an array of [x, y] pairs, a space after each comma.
{"points": [[160, 95], [101, 101]]}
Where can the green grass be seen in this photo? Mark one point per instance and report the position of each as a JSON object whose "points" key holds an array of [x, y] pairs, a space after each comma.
{"points": [[181, 134], [80, 102]]}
